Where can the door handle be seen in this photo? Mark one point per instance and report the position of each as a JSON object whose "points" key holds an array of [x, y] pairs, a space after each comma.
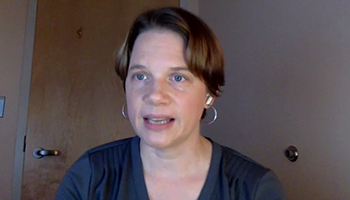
{"points": [[40, 152], [291, 153]]}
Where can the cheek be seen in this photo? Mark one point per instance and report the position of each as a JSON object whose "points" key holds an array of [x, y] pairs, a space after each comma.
{"points": [[129, 92], [193, 106], [130, 99], [132, 111], [133, 103]]}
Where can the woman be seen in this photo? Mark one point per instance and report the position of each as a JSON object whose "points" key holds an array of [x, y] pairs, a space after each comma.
{"points": [[172, 68]]}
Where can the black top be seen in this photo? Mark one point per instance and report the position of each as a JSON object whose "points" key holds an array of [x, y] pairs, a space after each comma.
{"points": [[114, 171]]}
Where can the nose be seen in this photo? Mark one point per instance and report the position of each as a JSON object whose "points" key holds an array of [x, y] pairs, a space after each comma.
{"points": [[157, 93]]}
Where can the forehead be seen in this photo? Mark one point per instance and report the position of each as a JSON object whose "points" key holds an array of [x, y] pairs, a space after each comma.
{"points": [[159, 31], [159, 37], [158, 46]]}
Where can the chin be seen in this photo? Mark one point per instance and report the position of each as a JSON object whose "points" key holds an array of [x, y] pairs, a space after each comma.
{"points": [[156, 140]]}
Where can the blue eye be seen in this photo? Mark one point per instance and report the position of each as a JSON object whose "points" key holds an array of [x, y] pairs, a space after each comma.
{"points": [[178, 78], [140, 77]]}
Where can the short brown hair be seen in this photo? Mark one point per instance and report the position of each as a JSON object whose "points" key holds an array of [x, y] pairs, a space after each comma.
{"points": [[204, 54]]}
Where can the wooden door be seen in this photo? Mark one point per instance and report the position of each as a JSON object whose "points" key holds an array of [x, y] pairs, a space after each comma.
{"points": [[75, 96]]}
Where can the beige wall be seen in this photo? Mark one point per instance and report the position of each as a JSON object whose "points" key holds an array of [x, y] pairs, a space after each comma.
{"points": [[287, 83], [12, 33]]}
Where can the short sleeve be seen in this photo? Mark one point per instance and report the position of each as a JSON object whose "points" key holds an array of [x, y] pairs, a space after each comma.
{"points": [[75, 184], [269, 188]]}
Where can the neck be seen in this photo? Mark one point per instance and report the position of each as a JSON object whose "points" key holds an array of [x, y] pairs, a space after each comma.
{"points": [[181, 160]]}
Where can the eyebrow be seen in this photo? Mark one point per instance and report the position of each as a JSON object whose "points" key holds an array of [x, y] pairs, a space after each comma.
{"points": [[179, 69], [133, 67]]}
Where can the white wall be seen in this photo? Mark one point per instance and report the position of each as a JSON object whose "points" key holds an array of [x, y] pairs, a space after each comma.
{"points": [[12, 34], [288, 82]]}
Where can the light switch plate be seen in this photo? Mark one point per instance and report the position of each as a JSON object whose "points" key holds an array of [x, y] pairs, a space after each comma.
{"points": [[2, 106]]}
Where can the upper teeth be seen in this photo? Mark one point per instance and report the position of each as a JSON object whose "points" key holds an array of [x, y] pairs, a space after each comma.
{"points": [[158, 120]]}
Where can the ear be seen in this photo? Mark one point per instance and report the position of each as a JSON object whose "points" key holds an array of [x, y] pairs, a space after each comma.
{"points": [[209, 101]]}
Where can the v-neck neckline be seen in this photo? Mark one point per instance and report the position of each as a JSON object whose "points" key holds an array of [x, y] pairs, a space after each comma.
{"points": [[139, 179]]}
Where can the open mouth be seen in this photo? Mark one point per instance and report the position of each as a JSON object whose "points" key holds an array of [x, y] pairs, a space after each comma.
{"points": [[159, 121]]}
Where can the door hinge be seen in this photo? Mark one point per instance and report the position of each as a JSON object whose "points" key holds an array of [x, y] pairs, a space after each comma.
{"points": [[24, 143]]}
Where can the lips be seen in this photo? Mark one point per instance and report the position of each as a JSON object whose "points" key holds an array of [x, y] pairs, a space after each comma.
{"points": [[158, 121]]}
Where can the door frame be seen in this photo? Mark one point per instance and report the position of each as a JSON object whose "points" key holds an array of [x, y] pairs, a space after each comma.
{"points": [[191, 5], [24, 99]]}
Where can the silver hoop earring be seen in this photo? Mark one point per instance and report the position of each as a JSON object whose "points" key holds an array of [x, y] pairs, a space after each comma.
{"points": [[123, 112], [214, 119]]}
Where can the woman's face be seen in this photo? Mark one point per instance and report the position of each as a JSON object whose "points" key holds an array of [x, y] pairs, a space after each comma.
{"points": [[165, 100]]}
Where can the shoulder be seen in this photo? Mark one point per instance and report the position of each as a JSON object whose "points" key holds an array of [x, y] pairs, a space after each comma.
{"points": [[97, 167], [245, 174], [118, 145], [95, 161], [115, 151], [112, 153], [238, 165]]}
